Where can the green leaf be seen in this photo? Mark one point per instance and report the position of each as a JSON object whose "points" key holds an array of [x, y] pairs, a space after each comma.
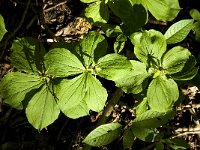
{"points": [[175, 59], [178, 31], [195, 14], [178, 144], [196, 30], [141, 106], [80, 94], [120, 43], [42, 109], [149, 46], [188, 72], [159, 146], [70, 94], [162, 92], [61, 62], [103, 134], [165, 10], [27, 55], [96, 94], [128, 138], [111, 30], [93, 46], [152, 119], [88, 1], [134, 16], [113, 66], [2, 27], [135, 80], [144, 134], [98, 12], [15, 86]]}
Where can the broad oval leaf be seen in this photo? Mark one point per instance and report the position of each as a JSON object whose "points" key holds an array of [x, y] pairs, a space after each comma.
{"points": [[164, 10], [103, 134], [153, 119], [113, 66], [188, 72], [2, 27], [61, 62], [149, 46], [162, 93], [42, 109], [178, 31], [141, 106], [98, 12], [195, 14], [175, 59], [134, 81], [15, 86], [96, 94], [144, 134], [93, 46], [27, 55], [79, 95], [71, 93]]}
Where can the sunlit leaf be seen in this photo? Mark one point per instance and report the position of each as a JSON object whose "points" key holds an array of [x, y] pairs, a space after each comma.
{"points": [[175, 59], [79, 95], [103, 134], [152, 119], [113, 66], [42, 109], [2, 27], [149, 46], [96, 95], [61, 62], [15, 86], [134, 81], [178, 31], [195, 14], [93, 46], [70, 93], [98, 12], [188, 72], [162, 93], [165, 10]]}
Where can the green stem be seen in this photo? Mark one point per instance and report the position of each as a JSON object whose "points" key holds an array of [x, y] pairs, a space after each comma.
{"points": [[109, 108], [107, 111]]}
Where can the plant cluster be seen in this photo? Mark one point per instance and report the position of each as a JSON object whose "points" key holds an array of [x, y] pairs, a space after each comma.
{"points": [[66, 78]]}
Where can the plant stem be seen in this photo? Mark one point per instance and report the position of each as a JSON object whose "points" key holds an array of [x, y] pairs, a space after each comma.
{"points": [[109, 108], [107, 111]]}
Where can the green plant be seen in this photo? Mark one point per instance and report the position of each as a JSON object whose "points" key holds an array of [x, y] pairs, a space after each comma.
{"points": [[67, 77], [2, 27], [195, 14]]}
